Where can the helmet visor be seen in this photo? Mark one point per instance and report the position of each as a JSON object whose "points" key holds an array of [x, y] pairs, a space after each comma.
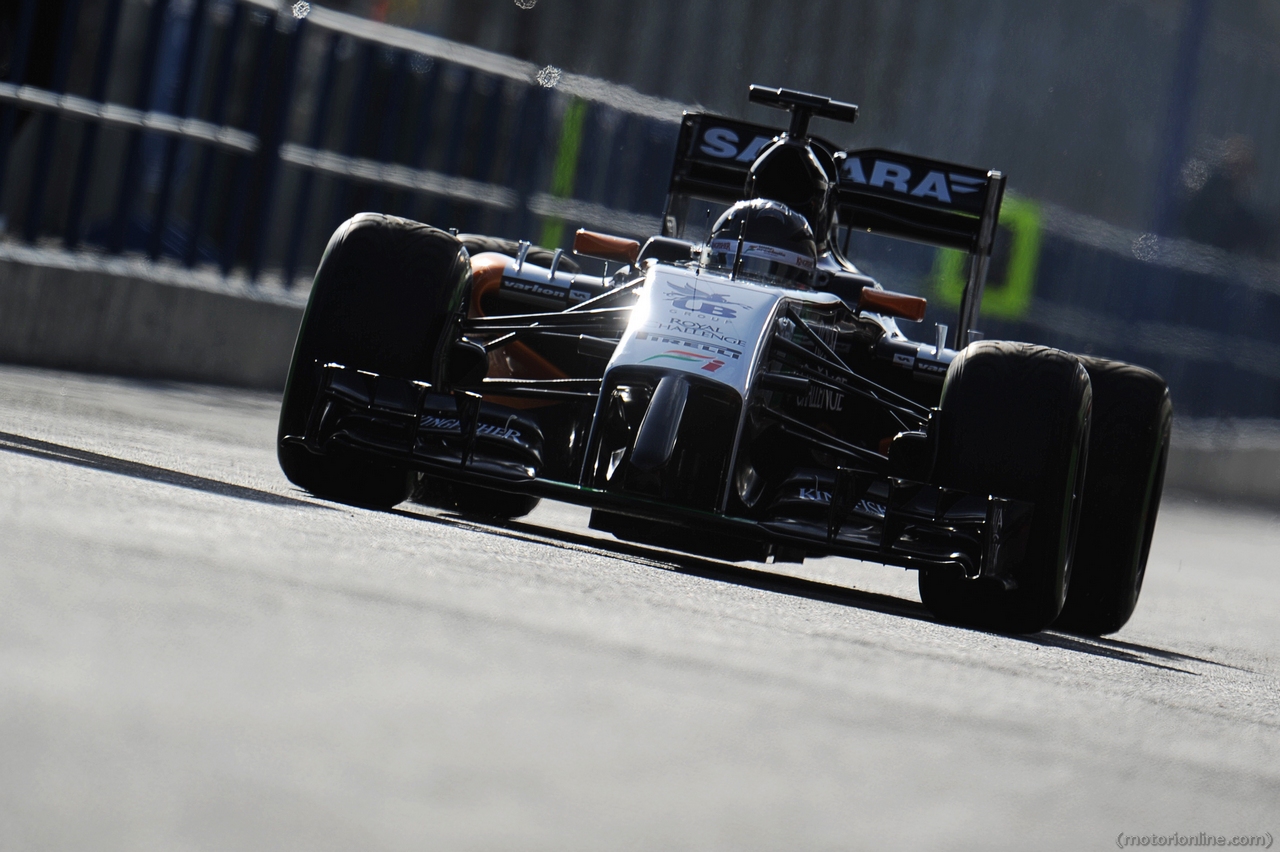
{"points": [[764, 263]]}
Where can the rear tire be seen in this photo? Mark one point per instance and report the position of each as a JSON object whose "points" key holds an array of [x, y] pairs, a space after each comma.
{"points": [[382, 298], [1014, 423], [1128, 450]]}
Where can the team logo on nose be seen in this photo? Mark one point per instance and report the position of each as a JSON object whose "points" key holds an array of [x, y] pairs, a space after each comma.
{"points": [[688, 298]]}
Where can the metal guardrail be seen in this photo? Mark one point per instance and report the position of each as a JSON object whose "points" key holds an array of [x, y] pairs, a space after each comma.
{"points": [[402, 177], [114, 115]]}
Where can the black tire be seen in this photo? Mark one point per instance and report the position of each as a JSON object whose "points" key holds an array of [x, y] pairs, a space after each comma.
{"points": [[473, 499], [383, 295], [1014, 423], [1128, 451]]}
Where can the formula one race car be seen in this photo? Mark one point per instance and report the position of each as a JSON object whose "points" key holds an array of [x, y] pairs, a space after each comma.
{"points": [[747, 395]]}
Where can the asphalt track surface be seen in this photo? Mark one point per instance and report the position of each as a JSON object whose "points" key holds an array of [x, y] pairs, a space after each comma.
{"points": [[196, 655]]}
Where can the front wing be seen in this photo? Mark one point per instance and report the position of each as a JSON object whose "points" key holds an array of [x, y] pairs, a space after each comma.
{"points": [[461, 437]]}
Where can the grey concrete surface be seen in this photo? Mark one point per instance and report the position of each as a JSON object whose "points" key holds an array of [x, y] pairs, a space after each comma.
{"points": [[195, 655], [1227, 459], [76, 311]]}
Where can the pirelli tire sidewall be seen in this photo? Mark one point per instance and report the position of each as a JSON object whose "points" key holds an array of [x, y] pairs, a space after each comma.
{"points": [[386, 291], [1128, 452], [1015, 423]]}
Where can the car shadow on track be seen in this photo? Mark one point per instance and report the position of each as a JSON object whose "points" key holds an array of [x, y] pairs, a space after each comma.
{"points": [[50, 451], [759, 577]]}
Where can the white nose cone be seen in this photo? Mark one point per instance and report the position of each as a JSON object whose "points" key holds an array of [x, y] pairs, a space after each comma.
{"points": [[701, 324]]}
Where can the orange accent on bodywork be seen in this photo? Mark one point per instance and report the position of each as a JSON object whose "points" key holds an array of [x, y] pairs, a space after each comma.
{"points": [[605, 246], [515, 360], [894, 304], [486, 277]]}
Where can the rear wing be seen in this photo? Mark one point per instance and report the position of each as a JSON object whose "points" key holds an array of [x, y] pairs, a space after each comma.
{"points": [[714, 154], [884, 192]]}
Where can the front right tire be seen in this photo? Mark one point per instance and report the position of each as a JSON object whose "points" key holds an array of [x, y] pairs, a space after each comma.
{"points": [[1014, 423]]}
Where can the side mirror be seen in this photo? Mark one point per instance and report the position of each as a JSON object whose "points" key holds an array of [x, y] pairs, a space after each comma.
{"points": [[892, 304]]}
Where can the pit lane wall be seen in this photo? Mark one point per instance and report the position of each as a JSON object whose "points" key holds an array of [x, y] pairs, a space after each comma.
{"points": [[119, 316], [1236, 460], [101, 314]]}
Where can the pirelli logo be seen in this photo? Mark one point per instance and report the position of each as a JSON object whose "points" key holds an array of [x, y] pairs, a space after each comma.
{"points": [[669, 340]]}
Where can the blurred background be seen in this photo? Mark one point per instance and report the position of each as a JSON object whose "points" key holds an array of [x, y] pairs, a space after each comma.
{"points": [[231, 136]]}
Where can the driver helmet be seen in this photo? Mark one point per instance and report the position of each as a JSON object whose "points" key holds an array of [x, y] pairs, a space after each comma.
{"points": [[764, 241]]}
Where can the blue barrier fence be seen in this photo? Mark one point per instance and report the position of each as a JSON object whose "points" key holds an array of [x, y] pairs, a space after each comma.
{"points": [[247, 133], [1209, 328], [1208, 321], [236, 134]]}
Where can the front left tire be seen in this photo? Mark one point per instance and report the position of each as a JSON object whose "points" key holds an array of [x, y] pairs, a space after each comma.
{"points": [[383, 297]]}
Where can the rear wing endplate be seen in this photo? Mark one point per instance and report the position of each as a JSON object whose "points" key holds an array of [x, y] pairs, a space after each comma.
{"points": [[884, 192]]}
